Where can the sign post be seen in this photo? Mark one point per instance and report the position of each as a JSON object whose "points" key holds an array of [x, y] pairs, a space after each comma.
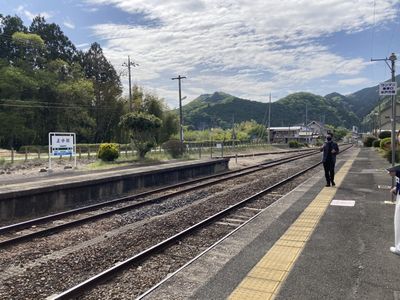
{"points": [[62, 144], [392, 92], [390, 89]]}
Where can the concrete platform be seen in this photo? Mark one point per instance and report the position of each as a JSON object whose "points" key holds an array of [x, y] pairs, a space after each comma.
{"points": [[279, 255], [37, 196]]}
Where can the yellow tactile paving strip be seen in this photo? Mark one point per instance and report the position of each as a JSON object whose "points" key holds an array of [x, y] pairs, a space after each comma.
{"points": [[265, 279]]}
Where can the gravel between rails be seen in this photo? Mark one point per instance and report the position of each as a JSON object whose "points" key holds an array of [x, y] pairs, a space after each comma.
{"points": [[37, 270], [137, 279]]}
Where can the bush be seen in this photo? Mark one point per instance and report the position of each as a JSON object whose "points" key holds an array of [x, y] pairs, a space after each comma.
{"points": [[319, 142], [108, 152], [386, 143], [376, 143], [173, 148], [369, 140], [384, 134], [2, 161], [294, 144], [388, 156]]}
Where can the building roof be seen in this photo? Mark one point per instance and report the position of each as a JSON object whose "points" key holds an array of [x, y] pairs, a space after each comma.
{"points": [[291, 128], [316, 123]]}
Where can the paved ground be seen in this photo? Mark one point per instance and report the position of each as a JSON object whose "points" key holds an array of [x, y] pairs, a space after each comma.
{"points": [[347, 256]]}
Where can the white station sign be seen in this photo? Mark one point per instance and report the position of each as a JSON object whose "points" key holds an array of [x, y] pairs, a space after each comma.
{"points": [[387, 88], [62, 144]]}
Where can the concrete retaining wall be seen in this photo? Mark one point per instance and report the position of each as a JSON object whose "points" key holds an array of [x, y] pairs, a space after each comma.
{"points": [[31, 203]]}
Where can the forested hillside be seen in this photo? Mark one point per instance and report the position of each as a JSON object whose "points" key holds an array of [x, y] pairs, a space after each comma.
{"points": [[363, 101], [219, 110], [46, 84]]}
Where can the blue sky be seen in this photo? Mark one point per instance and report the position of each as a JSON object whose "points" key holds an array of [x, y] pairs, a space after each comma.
{"points": [[245, 48]]}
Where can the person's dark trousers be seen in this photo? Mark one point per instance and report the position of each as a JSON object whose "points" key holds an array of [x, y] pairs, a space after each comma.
{"points": [[329, 168]]}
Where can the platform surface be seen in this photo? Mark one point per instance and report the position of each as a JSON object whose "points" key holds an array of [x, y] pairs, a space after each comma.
{"points": [[70, 177], [344, 255]]}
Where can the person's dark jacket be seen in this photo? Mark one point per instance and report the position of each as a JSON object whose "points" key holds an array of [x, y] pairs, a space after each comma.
{"points": [[327, 151]]}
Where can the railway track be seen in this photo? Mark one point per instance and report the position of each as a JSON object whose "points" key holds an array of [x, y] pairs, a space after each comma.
{"points": [[48, 266], [44, 226], [233, 216]]}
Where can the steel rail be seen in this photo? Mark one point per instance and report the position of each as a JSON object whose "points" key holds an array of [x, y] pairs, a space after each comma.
{"points": [[60, 227], [263, 153], [106, 274], [56, 216]]}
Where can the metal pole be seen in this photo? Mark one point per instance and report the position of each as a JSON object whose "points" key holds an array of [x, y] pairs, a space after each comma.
{"points": [[179, 78], [379, 115], [392, 67], [129, 64], [393, 58], [306, 115], [180, 112], [130, 86], [269, 120]]}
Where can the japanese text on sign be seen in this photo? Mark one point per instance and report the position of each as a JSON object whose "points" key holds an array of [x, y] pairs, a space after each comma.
{"points": [[62, 145], [388, 88]]}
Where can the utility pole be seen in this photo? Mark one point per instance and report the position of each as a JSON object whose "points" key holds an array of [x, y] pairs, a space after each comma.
{"points": [[179, 78], [392, 68], [233, 129], [379, 115], [269, 120], [129, 64], [306, 124], [306, 115]]}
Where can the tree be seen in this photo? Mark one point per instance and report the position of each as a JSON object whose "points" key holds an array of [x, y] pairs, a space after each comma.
{"points": [[170, 126], [58, 46], [29, 50], [338, 132], [47, 85], [107, 105], [151, 104], [8, 26], [143, 128]]}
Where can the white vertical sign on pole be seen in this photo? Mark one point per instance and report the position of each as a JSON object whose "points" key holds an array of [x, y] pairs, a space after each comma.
{"points": [[388, 88], [62, 144]]}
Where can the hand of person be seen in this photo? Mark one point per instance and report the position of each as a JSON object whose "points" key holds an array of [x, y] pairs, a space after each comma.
{"points": [[393, 190], [333, 151]]}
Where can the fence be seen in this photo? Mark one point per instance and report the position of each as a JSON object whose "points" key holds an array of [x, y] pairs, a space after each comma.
{"points": [[192, 149]]}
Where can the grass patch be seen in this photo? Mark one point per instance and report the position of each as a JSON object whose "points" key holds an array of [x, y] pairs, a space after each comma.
{"points": [[104, 165]]}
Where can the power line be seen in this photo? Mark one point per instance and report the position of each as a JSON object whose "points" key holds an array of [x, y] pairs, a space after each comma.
{"points": [[56, 107]]}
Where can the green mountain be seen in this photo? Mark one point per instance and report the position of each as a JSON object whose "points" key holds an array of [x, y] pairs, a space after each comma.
{"points": [[219, 109], [365, 100]]}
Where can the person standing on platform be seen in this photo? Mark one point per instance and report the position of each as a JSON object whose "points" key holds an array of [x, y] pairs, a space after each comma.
{"points": [[395, 171], [330, 149]]}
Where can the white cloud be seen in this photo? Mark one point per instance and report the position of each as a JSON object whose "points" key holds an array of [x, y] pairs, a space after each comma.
{"points": [[354, 81], [30, 15], [83, 45], [237, 46], [68, 23]]}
